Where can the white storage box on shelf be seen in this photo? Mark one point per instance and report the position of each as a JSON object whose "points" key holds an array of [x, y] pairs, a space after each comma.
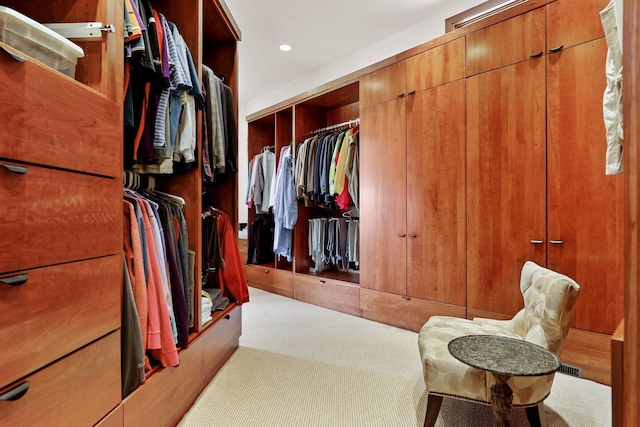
{"points": [[38, 42]]}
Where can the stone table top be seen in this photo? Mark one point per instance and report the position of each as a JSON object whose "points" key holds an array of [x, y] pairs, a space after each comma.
{"points": [[504, 355]]}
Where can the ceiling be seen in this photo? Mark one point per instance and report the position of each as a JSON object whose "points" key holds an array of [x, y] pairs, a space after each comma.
{"points": [[321, 32]]}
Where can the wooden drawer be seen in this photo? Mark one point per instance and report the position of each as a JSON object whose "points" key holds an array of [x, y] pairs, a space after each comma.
{"points": [[404, 312], [507, 42], [59, 309], [270, 279], [569, 24], [437, 66], [50, 217], [169, 393], [75, 391], [329, 293], [51, 119]]}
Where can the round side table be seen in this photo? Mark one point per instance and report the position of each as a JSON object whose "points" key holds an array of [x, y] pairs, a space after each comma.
{"points": [[504, 357]]}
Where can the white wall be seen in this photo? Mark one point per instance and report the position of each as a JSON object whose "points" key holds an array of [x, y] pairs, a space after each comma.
{"points": [[376, 52]]}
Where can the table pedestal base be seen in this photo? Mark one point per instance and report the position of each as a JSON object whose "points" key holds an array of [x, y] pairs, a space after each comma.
{"points": [[501, 398]]}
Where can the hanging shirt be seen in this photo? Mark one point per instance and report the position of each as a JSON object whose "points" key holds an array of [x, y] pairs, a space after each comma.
{"points": [[286, 207]]}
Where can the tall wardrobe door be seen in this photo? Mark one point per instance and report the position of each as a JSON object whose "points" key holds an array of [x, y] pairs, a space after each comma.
{"points": [[506, 183], [383, 209], [436, 202], [586, 207]]}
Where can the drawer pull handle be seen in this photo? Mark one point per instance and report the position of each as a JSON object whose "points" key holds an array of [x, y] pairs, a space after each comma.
{"points": [[537, 242], [323, 281], [15, 169], [14, 55], [18, 280], [557, 48], [266, 271], [15, 393], [402, 235], [228, 316], [406, 297], [537, 54], [413, 92], [556, 242], [402, 95], [412, 235]]}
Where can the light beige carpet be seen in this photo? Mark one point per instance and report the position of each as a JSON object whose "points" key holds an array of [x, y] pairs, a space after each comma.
{"points": [[302, 365]]}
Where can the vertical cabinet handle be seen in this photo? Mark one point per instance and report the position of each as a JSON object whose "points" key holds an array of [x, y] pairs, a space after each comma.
{"points": [[18, 280], [537, 242], [556, 242], [557, 48], [15, 393], [15, 169], [537, 54]]}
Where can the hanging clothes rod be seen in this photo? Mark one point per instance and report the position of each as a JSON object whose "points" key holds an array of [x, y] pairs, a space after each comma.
{"points": [[349, 123]]}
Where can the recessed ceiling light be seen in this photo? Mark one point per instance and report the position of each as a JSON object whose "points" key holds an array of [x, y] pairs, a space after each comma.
{"points": [[285, 47]]}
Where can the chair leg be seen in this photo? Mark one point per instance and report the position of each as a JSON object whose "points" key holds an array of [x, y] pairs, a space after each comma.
{"points": [[433, 408], [535, 415]]}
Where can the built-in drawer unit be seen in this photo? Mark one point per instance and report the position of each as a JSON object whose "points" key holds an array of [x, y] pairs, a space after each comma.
{"points": [[403, 311], [329, 293], [48, 312], [52, 216], [77, 390], [51, 119], [270, 279]]}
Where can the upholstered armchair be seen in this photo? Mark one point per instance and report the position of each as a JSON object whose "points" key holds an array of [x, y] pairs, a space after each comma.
{"points": [[549, 303]]}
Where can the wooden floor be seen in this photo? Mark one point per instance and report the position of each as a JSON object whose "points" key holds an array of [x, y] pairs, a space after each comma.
{"points": [[590, 351]]}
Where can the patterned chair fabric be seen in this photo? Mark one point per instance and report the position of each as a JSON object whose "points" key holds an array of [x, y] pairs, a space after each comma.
{"points": [[549, 303]]}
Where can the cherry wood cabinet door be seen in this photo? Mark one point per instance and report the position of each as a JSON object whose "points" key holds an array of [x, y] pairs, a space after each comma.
{"points": [[383, 85], [506, 190], [585, 206], [508, 42], [436, 199], [437, 66], [570, 23], [383, 184]]}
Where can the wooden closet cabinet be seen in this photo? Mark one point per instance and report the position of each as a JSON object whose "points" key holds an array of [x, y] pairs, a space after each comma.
{"points": [[272, 132], [537, 188], [585, 206], [61, 266], [332, 287], [413, 178], [433, 67], [506, 183], [323, 285], [61, 246], [212, 36]]}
